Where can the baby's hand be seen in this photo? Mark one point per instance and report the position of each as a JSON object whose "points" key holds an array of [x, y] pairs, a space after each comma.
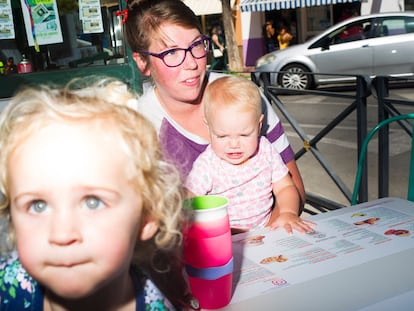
{"points": [[291, 221]]}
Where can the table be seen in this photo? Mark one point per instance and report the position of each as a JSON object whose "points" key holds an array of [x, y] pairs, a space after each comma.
{"points": [[358, 258]]}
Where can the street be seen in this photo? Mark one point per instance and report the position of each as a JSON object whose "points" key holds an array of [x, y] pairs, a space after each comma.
{"points": [[339, 147]]}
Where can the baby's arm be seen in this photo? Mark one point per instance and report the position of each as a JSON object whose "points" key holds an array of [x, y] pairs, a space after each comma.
{"points": [[285, 213]]}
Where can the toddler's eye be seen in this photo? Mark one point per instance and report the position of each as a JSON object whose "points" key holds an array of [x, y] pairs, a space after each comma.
{"points": [[93, 203], [38, 206]]}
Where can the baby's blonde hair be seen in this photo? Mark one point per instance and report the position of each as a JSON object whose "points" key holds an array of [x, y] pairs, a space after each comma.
{"points": [[155, 180], [232, 91]]}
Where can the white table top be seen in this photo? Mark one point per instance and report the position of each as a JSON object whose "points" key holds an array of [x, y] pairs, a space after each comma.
{"points": [[350, 263]]}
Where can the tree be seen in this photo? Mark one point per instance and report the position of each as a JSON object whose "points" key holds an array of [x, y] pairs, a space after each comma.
{"points": [[235, 63]]}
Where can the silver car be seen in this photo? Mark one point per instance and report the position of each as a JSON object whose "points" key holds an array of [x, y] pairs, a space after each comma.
{"points": [[371, 45]]}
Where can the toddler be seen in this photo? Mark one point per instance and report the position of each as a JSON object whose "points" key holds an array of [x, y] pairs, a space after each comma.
{"points": [[94, 213]]}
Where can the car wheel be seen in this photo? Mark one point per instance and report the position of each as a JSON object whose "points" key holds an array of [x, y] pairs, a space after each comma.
{"points": [[294, 77]]}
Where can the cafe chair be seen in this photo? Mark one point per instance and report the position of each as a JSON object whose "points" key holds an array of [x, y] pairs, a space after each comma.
{"points": [[362, 156]]}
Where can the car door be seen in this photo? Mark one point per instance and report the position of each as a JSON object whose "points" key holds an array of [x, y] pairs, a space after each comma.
{"points": [[393, 46], [345, 51]]}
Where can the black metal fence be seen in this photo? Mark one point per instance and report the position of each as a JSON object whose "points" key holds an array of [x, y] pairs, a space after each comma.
{"points": [[378, 88]]}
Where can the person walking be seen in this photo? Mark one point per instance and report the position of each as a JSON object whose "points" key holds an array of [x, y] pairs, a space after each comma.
{"points": [[219, 56]]}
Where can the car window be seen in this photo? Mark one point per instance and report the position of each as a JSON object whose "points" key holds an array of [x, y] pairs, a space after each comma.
{"points": [[353, 32], [409, 24], [395, 26], [366, 29]]}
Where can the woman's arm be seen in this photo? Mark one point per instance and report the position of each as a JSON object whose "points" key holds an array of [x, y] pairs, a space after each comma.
{"points": [[217, 42], [297, 180], [275, 133]]}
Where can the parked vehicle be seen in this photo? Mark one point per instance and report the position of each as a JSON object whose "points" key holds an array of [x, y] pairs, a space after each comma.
{"points": [[372, 45]]}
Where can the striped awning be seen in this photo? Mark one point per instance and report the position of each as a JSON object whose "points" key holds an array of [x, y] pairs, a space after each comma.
{"points": [[269, 5]]}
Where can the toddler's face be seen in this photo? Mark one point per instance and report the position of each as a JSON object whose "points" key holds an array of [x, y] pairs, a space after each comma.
{"points": [[75, 215], [234, 134]]}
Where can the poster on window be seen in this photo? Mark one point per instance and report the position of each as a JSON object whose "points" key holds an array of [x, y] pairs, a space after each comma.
{"points": [[6, 20], [91, 16], [41, 19]]}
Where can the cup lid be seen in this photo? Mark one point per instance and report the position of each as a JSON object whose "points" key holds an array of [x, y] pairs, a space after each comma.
{"points": [[207, 207]]}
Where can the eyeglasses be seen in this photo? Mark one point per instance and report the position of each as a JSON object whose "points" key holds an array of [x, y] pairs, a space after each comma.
{"points": [[175, 57]]}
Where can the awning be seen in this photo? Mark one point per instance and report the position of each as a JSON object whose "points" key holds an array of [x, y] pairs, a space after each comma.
{"points": [[206, 7], [269, 5], [203, 7]]}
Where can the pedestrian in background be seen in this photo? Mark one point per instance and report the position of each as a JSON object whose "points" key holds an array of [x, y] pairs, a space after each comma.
{"points": [[284, 38], [219, 56], [270, 39]]}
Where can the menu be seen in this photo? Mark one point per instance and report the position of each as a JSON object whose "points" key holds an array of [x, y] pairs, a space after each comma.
{"points": [[268, 260]]}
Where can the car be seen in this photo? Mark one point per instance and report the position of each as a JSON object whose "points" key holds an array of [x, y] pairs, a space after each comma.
{"points": [[369, 45]]}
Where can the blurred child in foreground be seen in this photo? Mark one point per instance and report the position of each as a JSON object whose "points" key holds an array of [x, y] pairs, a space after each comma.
{"points": [[94, 212]]}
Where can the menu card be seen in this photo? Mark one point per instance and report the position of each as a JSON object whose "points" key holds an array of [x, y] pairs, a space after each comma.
{"points": [[268, 260]]}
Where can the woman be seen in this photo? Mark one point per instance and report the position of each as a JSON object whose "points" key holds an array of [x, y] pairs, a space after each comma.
{"points": [[219, 60], [168, 44]]}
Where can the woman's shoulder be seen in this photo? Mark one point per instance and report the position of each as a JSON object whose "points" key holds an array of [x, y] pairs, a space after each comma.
{"points": [[148, 97], [18, 291], [149, 106]]}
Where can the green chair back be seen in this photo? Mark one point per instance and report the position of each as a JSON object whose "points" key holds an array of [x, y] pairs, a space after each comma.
{"points": [[362, 156]]}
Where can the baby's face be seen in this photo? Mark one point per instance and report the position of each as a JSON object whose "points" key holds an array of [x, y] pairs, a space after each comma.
{"points": [[234, 134], [76, 216]]}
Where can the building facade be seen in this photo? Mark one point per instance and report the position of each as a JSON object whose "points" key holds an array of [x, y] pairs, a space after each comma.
{"points": [[302, 18]]}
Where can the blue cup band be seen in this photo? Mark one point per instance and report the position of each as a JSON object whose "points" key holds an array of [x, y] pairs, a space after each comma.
{"points": [[212, 273]]}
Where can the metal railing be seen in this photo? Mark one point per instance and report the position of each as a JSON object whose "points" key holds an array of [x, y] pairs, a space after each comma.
{"points": [[365, 87], [387, 109]]}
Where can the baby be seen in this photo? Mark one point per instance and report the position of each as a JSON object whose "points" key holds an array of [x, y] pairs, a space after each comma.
{"points": [[241, 165]]}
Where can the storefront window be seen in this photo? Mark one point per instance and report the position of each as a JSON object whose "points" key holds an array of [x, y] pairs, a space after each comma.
{"points": [[318, 18], [60, 34]]}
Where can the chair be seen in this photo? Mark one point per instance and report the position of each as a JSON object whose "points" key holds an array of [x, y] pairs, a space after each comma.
{"points": [[410, 192]]}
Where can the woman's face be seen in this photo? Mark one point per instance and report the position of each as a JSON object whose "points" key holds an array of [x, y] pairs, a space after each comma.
{"points": [[183, 83]]}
